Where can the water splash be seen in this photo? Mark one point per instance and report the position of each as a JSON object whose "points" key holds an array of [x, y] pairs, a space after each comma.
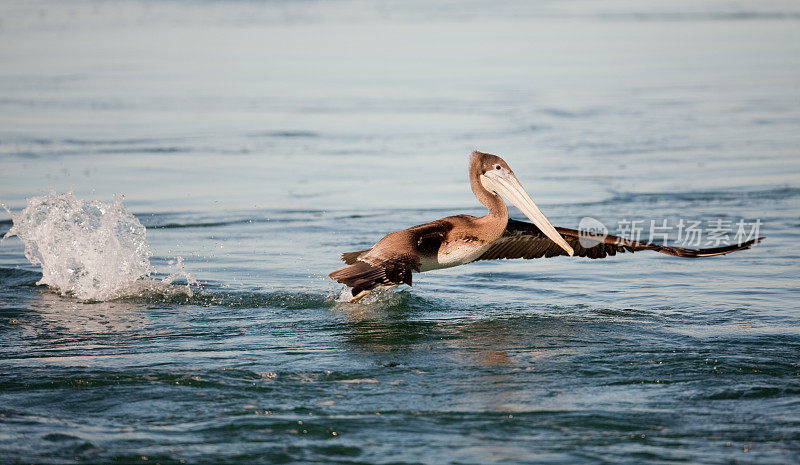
{"points": [[88, 249]]}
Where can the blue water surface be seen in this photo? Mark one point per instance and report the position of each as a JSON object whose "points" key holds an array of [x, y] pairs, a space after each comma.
{"points": [[260, 140]]}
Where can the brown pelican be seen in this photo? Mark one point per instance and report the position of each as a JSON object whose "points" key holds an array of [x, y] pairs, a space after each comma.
{"points": [[457, 240]]}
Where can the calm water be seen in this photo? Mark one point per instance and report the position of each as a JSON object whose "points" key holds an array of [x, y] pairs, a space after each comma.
{"points": [[258, 141]]}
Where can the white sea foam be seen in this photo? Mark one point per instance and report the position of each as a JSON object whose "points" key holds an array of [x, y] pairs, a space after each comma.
{"points": [[89, 249]]}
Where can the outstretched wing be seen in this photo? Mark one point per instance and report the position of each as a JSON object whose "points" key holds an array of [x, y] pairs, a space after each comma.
{"points": [[525, 240]]}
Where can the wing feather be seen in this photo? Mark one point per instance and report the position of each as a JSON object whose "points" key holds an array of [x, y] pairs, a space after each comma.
{"points": [[365, 276], [525, 240], [351, 257]]}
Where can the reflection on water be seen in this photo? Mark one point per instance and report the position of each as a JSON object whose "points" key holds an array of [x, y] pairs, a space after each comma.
{"points": [[514, 344]]}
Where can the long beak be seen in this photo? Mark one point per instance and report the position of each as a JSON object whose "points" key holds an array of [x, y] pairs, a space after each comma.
{"points": [[509, 188]]}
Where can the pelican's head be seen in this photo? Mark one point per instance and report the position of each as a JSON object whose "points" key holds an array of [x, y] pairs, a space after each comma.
{"points": [[498, 179]]}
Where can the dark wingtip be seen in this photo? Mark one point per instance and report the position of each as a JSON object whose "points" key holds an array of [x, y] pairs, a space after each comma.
{"points": [[712, 252], [727, 249]]}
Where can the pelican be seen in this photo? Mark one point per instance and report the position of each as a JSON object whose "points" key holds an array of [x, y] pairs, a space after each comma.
{"points": [[461, 239]]}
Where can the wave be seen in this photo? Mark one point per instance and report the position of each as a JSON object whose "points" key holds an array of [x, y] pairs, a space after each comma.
{"points": [[752, 392], [178, 294], [779, 193], [155, 290], [286, 134], [776, 193], [191, 219], [12, 277], [39, 147], [173, 289], [199, 225], [214, 224], [703, 16]]}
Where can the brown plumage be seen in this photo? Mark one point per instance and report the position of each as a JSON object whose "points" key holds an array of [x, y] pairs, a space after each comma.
{"points": [[461, 239], [392, 260]]}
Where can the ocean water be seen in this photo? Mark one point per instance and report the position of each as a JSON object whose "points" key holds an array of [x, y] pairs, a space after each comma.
{"points": [[255, 142]]}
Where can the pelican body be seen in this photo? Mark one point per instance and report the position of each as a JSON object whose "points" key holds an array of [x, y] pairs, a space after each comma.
{"points": [[461, 239]]}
